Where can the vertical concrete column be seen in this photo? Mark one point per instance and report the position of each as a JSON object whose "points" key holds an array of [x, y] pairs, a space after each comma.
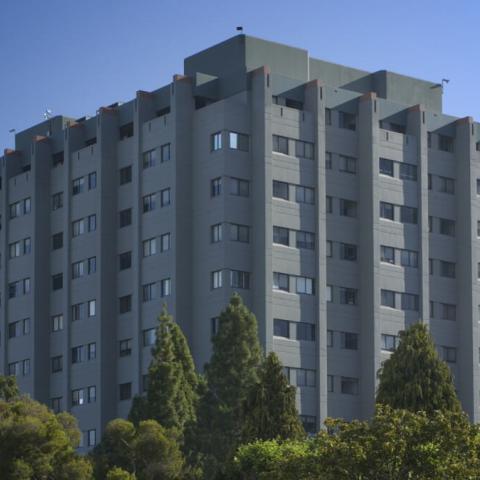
{"points": [[182, 114], [416, 127], [468, 298], [40, 319], [261, 128], [369, 250], [74, 140], [106, 243], [142, 112], [315, 103]]}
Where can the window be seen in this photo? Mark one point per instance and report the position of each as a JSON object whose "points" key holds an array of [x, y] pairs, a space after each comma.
{"points": [[125, 391], [330, 338], [304, 285], [348, 296], [304, 149], [430, 181], [305, 240], [408, 171], [328, 116], [216, 233], [57, 364], [409, 302], [125, 347], [78, 227], [92, 180], [239, 233], [57, 200], [92, 223], [125, 304], [23, 207], [239, 279], [449, 354], [78, 311], [57, 159], [22, 247], [328, 204], [77, 269], [448, 311], [430, 224], [239, 187], [304, 194], [281, 328], [125, 217], [304, 377], [19, 328], [91, 438], [348, 164], [165, 197], [447, 269], [126, 131], [78, 397], [149, 202], [348, 252], [125, 175], [387, 298], [125, 260], [56, 404], [149, 292], [389, 343], [164, 242], [92, 351], [149, 247], [216, 279], [309, 423], [20, 287], [447, 227], [280, 190], [386, 167], [330, 383], [216, 187], [280, 144], [281, 236], [149, 159], [57, 241], [149, 337], [57, 281], [349, 386], [408, 214], [447, 185], [409, 258], [347, 120], [445, 143], [348, 208], [329, 293], [214, 325], [387, 254], [348, 341], [305, 331], [281, 282], [328, 160], [57, 323], [165, 153], [78, 186], [165, 287], [329, 249], [216, 141], [79, 354], [91, 308], [92, 265], [238, 141], [387, 210]]}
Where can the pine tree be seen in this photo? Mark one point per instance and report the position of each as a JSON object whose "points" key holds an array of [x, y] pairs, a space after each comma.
{"points": [[414, 378], [269, 410], [172, 381], [230, 375]]}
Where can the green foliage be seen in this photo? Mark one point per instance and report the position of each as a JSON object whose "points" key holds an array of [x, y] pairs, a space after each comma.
{"points": [[269, 411], [36, 443], [148, 452], [117, 473], [395, 445], [8, 388], [414, 378], [172, 381], [230, 375]]}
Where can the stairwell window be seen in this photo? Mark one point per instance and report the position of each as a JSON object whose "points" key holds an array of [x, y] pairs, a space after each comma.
{"points": [[216, 279], [386, 167], [280, 190], [408, 172], [165, 153], [238, 141], [304, 149], [280, 144], [216, 141]]}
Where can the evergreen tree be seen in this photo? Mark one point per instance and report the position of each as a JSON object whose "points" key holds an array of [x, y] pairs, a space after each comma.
{"points": [[414, 378], [230, 375], [172, 380], [269, 410]]}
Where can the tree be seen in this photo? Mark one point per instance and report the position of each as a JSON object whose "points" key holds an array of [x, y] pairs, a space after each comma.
{"points": [[230, 375], [269, 410], [172, 381], [36, 443], [414, 378], [146, 452]]}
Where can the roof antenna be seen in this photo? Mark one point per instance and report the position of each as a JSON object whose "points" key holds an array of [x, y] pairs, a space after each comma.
{"points": [[240, 29], [47, 114], [444, 82]]}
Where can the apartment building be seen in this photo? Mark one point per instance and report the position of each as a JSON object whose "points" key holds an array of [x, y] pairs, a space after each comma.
{"points": [[341, 204]]}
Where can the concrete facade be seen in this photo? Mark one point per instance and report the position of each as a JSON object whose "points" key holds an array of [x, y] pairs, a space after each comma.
{"points": [[341, 204]]}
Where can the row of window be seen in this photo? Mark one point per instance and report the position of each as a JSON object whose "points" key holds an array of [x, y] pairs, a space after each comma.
{"points": [[237, 186], [348, 385], [237, 278], [236, 232], [81, 184], [443, 226], [151, 158], [399, 300], [346, 120], [19, 328], [290, 146], [19, 248], [346, 208], [84, 267], [442, 268], [347, 340], [301, 331], [346, 164], [344, 251], [20, 208], [342, 295], [235, 141], [402, 170], [443, 184], [300, 377], [20, 368], [290, 237], [293, 283], [287, 191], [398, 256], [84, 353], [151, 291], [19, 288], [399, 213]]}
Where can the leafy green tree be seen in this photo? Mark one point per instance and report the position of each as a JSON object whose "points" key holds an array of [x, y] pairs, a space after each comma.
{"points": [[172, 381], [269, 410], [117, 473], [230, 375], [146, 452], [414, 377], [36, 443], [8, 388]]}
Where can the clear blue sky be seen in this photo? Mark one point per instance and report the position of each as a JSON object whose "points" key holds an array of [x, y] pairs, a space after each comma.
{"points": [[75, 56]]}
